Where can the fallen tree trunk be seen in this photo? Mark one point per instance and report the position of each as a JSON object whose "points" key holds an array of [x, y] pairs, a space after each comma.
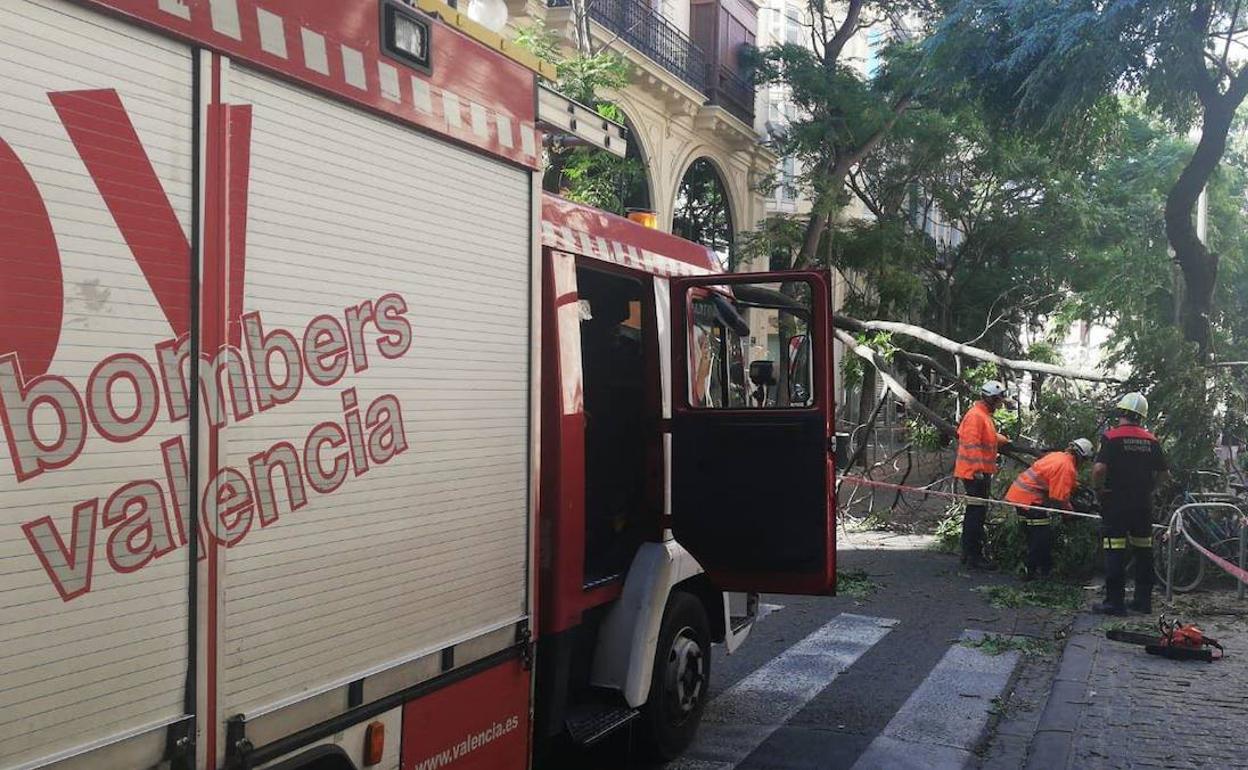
{"points": [[957, 348], [896, 388], [946, 428]]}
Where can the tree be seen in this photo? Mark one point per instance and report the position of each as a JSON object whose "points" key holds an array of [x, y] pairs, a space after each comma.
{"points": [[843, 115], [1061, 68], [577, 171]]}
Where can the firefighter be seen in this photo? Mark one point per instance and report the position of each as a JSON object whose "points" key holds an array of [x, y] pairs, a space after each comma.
{"points": [[1049, 482], [1129, 465], [978, 442]]}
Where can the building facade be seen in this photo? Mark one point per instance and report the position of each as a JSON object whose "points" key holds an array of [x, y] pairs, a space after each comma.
{"points": [[689, 105]]}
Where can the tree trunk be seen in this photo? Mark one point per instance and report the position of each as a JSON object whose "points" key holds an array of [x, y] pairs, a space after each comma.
{"points": [[866, 398], [1198, 263]]}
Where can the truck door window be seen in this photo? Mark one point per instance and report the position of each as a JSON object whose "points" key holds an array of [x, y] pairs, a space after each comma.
{"points": [[751, 350]]}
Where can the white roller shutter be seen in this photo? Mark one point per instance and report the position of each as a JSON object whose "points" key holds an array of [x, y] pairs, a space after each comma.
{"points": [[110, 661], [427, 548]]}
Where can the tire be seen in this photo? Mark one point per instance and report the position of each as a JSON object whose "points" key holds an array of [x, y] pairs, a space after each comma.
{"points": [[1189, 565], [680, 680]]}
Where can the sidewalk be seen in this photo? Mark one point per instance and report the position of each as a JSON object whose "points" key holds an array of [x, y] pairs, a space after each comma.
{"points": [[1111, 705]]}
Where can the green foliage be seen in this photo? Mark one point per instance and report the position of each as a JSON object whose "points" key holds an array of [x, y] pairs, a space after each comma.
{"points": [[1074, 546], [976, 376], [923, 435], [598, 179], [852, 368], [582, 78], [949, 529], [1060, 416], [1044, 594], [579, 173], [855, 583]]}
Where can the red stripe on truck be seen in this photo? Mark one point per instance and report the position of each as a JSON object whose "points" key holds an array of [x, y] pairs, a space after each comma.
{"points": [[31, 294], [106, 140]]}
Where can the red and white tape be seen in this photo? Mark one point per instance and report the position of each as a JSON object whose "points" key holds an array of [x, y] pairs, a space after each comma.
{"points": [[859, 481], [1231, 569]]}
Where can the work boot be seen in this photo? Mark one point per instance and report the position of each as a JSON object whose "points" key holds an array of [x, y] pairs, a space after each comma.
{"points": [[1109, 608], [1142, 602]]}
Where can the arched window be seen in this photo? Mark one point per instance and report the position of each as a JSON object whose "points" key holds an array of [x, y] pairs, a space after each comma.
{"points": [[703, 212]]}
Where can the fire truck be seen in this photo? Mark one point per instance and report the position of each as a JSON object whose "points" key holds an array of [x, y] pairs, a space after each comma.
{"points": [[331, 441]]}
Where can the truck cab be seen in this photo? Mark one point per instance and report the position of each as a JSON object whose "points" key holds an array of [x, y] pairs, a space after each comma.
{"points": [[683, 454]]}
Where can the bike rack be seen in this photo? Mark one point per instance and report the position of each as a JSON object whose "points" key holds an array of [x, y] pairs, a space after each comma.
{"points": [[1176, 528]]}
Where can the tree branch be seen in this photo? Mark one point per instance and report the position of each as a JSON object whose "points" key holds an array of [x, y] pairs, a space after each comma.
{"points": [[957, 348], [844, 33], [898, 390]]}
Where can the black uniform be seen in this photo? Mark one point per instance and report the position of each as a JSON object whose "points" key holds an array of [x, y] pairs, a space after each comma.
{"points": [[1133, 457]]}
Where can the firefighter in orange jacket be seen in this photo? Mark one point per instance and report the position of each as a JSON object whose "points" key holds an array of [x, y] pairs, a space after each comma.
{"points": [[1049, 482], [978, 442]]}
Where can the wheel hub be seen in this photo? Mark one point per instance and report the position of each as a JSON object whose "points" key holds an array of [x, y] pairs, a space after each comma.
{"points": [[685, 675]]}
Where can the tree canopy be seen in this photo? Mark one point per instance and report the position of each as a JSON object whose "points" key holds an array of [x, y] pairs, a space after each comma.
{"points": [[1010, 169]]}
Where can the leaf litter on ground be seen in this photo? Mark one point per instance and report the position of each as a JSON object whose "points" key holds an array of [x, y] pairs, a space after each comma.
{"points": [[997, 644], [854, 583], [1043, 594]]}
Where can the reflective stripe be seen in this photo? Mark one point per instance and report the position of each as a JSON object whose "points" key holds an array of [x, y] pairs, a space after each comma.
{"points": [[1036, 522], [976, 457], [1140, 542], [980, 447], [1115, 543], [1035, 490]]}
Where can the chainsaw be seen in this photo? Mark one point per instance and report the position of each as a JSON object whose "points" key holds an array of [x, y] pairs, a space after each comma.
{"points": [[1178, 641]]}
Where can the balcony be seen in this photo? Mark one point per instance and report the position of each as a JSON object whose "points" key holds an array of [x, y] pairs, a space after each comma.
{"points": [[636, 23], [734, 93], [654, 36]]}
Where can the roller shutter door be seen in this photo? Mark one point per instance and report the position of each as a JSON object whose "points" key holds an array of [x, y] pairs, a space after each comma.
{"points": [[423, 541], [96, 132]]}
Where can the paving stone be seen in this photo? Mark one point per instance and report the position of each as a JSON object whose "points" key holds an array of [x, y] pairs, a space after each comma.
{"points": [[1111, 706]]}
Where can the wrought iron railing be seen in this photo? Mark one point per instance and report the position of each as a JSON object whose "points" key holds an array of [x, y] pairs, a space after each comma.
{"points": [[734, 93], [639, 25]]}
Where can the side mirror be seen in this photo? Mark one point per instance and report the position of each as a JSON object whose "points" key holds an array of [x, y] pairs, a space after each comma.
{"points": [[763, 372], [842, 451]]}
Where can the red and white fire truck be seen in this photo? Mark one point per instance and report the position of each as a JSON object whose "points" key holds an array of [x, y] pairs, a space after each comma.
{"points": [[330, 440]]}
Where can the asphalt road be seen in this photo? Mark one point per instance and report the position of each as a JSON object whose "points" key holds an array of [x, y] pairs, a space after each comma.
{"points": [[881, 682]]}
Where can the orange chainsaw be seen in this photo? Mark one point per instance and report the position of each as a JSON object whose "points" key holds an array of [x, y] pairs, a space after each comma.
{"points": [[1178, 641]]}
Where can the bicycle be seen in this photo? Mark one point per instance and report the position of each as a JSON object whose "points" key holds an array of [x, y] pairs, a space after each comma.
{"points": [[1216, 527]]}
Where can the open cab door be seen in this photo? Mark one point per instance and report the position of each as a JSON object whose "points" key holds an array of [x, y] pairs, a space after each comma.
{"points": [[752, 430]]}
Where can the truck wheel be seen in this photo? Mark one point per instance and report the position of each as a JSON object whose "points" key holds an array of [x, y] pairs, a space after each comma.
{"points": [[681, 677]]}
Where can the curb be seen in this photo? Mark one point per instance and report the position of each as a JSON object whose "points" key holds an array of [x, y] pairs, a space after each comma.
{"points": [[1051, 746]]}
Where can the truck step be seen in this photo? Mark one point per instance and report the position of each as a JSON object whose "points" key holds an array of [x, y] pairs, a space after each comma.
{"points": [[589, 723]]}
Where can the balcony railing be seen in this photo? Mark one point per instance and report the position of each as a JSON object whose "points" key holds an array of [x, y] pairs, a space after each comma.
{"points": [[643, 28], [639, 25], [734, 93]]}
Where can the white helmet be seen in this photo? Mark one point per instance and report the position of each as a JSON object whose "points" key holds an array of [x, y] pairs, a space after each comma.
{"points": [[1135, 403], [1082, 447], [992, 388]]}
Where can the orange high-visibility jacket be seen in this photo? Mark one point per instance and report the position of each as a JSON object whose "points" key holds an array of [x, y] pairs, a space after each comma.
{"points": [[977, 443], [1051, 477]]}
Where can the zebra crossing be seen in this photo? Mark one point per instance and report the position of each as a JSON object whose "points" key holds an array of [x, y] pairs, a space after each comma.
{"points": [[935, 729]]}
